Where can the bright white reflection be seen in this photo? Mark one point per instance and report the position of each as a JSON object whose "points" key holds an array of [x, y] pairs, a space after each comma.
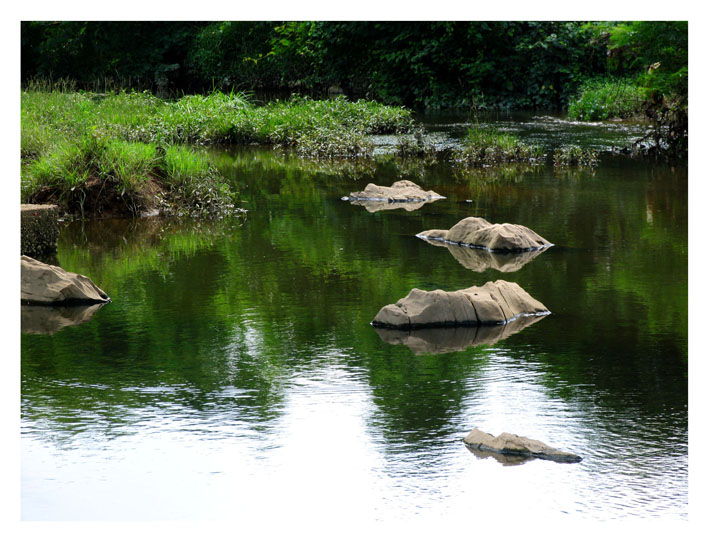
{"points": [[327, 457]]}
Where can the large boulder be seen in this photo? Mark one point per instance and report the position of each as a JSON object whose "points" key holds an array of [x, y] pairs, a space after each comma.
{"points": [[399, 192], [44, 284], [508, 443], [496, 302], [439, 340], [482, 260], [477, 232]]}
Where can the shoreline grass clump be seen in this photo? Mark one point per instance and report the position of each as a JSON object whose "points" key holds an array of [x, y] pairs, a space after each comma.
{"points": [[485, 146], [97, 176], [604, 99], [573, 155]]}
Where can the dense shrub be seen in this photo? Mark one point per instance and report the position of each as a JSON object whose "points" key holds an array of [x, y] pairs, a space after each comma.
{"points": [[603, 99]]}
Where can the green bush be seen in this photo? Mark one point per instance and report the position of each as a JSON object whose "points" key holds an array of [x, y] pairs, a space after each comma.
{"points": [[603, 99]]}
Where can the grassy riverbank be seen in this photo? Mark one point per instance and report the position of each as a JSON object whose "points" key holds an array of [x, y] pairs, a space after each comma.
{"points": [[124, 153]]}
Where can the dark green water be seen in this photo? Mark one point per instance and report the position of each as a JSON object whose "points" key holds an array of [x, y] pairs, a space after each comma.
{"points": [[236, 372]]}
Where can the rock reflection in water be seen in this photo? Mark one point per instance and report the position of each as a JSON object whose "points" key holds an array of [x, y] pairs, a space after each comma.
{"points": [[440, 340], [373, 205], [47, 320], [508, 460], [479, 260]]}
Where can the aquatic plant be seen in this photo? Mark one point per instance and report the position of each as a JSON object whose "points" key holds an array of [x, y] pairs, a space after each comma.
{"points": [[483, 146], [573, 155]]}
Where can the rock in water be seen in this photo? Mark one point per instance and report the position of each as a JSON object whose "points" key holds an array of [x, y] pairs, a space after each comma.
{"points": [[400, 191], [44, 284], [477, 232], [496, 302], [507, 443]]}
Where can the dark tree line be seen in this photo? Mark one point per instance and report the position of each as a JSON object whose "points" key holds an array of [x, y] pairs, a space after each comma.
{"points": [[418, 64]]}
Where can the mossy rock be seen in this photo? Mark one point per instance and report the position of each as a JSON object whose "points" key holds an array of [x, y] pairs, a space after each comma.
{"points": [[39, 227]]}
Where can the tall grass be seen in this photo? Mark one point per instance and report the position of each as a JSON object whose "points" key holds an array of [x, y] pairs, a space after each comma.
{"points": [[124, 139]]}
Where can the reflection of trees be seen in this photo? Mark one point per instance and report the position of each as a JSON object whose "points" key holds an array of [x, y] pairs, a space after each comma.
{"points": [[204, 307]]}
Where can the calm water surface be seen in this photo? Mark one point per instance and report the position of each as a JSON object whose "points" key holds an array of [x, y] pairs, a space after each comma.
{"points": [[236, 370]]}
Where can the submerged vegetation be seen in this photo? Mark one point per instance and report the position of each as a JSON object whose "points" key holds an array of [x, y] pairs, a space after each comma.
{"points": [[573, 155], [488, 146]]}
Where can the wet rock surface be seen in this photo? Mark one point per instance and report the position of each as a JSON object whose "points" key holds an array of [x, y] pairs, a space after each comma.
{"points": [[496, 302], [44, 284], [399, 192], [511, 444], [476, 232]]}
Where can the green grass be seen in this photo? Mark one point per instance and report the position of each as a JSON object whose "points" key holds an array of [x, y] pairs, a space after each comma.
{"points": [[125, 139], [488, 146], [573, 155], [603, 99]]}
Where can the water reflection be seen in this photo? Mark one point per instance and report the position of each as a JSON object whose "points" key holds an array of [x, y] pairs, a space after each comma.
{"points": [[41, 319], [508, 460], [251, 340], [375, 206], [480, 260], [454, 339]]}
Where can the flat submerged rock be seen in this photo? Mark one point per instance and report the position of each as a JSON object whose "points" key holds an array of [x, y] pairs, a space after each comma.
{"points": [[476, 232], [493, 303], [510, 444], [399, 192]]}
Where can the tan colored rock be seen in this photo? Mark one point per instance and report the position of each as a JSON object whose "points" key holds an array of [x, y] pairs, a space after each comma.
{"points": [[482, 260], [477, 232], [493, 303], [508, 443], [401, 191], [439, 340], [50, 285]]}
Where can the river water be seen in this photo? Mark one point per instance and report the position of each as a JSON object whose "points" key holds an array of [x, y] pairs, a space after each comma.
{"points": [[236, 374]]}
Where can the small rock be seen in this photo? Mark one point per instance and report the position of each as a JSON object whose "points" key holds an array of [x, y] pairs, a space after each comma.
{"points": [[401, 191], [508, 443]]}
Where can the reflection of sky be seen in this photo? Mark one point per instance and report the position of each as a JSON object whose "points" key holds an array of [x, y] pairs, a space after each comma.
{"points": [[326, 456]]}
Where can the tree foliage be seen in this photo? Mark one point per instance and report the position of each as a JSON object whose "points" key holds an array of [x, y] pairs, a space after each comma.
{"points": [[538, 64]]}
